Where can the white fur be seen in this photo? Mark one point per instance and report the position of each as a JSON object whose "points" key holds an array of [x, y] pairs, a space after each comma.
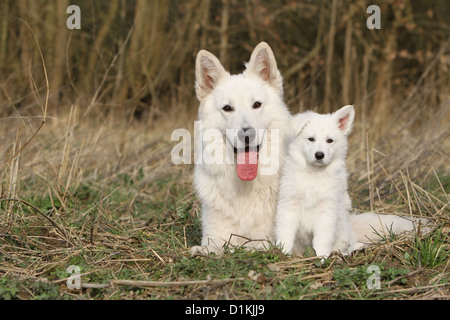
{"points": [[314, 205], [236, 211]]}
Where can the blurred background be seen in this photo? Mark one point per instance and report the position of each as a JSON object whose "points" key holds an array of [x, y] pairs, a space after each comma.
{"points": [[135, 59]]}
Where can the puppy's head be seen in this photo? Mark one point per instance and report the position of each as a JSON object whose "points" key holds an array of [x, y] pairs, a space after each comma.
{"points": [[323, 137]]}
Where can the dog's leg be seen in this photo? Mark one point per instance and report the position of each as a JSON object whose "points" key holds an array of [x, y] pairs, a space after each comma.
{"points": [[324, 230], [286, 226]]}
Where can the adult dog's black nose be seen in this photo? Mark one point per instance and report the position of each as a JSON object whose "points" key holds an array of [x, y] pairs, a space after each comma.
{"points": [[247, 135], [319, 155]]}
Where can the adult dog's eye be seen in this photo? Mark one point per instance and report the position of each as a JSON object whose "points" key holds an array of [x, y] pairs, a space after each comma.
{"points": [[227, 108], [329, 140], [257, 105], [311, 139]]}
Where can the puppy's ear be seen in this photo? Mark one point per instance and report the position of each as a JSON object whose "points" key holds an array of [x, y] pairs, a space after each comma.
{"points": [[208, 71], [263, 64], [344, 118], [300, 121]]}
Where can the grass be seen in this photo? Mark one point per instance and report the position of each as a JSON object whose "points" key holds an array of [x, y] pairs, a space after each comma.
{"points": [[430, 251], [127, 217]]}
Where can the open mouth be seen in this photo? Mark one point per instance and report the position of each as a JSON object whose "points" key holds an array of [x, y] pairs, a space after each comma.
{"points": [[247, 162], [247, 155]]}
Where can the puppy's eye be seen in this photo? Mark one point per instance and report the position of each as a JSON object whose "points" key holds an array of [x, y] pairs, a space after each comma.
{"points": [[227, 108], [329, 140], [257, 105], [311, 139]]}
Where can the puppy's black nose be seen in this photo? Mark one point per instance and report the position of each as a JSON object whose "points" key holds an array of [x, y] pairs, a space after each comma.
{"points": [[246, 135], [319, 155]]}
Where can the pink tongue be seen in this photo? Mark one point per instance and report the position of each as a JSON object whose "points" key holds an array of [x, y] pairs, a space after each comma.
{"points": [[247, 165]]}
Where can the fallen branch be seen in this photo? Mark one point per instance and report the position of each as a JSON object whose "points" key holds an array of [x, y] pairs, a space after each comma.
{"points": [[139, 283]]}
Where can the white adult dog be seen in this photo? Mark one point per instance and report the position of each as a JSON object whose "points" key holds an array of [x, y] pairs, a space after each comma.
{"points": [[244, 131]]}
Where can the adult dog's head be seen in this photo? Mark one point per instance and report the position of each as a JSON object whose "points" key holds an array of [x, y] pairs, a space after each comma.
{"points": [[240, 108]]}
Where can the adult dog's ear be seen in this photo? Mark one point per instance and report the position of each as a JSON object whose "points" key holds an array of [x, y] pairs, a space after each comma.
{"points": [[208, 71], [344, 118], [263, 64]]}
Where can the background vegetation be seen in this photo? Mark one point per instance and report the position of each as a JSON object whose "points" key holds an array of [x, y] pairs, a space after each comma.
{"points": [[86, 118]]}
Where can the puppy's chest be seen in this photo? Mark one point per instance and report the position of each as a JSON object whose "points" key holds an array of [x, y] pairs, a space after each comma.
{"points": [[314, 187]]}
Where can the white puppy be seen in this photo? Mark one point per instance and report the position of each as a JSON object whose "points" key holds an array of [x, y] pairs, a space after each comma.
{"points": [[314, 205]]}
